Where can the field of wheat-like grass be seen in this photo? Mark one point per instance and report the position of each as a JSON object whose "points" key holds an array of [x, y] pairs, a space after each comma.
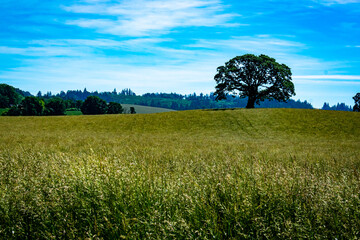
{"points": [[235, 174]]}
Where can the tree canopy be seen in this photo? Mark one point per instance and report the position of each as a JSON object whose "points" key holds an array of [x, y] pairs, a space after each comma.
{"points": [[55, 106], [356, 107], [8, 96], [32, 106], [255, 77], [114, 108], [94, 105]]}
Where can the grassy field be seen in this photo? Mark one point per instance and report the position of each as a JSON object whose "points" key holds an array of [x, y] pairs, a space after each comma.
{"points": [[234, 174]]}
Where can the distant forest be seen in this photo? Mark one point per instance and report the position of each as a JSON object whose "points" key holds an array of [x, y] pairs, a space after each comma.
{"points": [[182, 102]]}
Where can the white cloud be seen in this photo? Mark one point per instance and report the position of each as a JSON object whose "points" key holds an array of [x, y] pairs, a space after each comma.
{"points": [[82, 47], [150, 17], [103, 43], [105, 74], [283, 50], [328, 80], [332, 2], [145, 63], [53, 51], [331, 77], [260, 44]]}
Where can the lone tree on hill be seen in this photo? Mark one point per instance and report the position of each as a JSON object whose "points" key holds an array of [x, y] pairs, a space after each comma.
{"points": [[356, 107], [132, 110], [255, 77]]}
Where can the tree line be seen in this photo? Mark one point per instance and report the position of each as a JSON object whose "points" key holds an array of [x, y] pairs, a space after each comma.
{"points": [[20, 104], [173, 101], [57, 104], [337, 107], [35, 106], [177, 101]]}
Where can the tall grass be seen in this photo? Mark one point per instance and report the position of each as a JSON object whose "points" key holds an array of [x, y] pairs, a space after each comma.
{"points": [[242, 174]]}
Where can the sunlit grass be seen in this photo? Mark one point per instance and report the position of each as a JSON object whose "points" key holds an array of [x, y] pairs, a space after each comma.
{"points": [[3, 110], [262, 173], [72, 112]]}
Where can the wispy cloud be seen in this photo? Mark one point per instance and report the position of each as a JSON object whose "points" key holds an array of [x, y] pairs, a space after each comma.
{"points": [[332, 77], [81, 47], [283, 48], [55, 73], [258, 44], [328, 80], [332, 2], [84, 61], [152, 50], [53, 51], [150, 17]]}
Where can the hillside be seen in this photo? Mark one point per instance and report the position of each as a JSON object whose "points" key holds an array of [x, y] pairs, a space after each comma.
{"points": [[242, 123], [259, 173], [145, 109], [138, 108]]}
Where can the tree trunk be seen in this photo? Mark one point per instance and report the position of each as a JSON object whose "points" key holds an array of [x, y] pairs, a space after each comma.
{"points": [[251, 102]]}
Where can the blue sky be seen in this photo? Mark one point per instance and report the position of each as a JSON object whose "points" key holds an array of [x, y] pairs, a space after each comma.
{"points": [[176, 45]]}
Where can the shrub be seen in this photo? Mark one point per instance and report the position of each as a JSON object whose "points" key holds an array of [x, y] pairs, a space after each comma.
{"points": [[13, 111], [132, 110]]}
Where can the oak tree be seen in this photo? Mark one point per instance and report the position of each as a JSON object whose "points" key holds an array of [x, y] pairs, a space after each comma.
{"points": [[255, 77]]}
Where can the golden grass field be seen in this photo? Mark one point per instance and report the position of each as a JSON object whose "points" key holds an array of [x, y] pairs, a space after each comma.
{"points": [[204, 174]]}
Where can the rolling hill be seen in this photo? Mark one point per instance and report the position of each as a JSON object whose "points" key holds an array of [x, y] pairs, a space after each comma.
{"points": [[145, 109], [138, 108]]}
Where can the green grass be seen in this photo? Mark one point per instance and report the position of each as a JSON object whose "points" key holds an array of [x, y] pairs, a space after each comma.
{"points": [[234, 174], [2, 110], [73, 113]]}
